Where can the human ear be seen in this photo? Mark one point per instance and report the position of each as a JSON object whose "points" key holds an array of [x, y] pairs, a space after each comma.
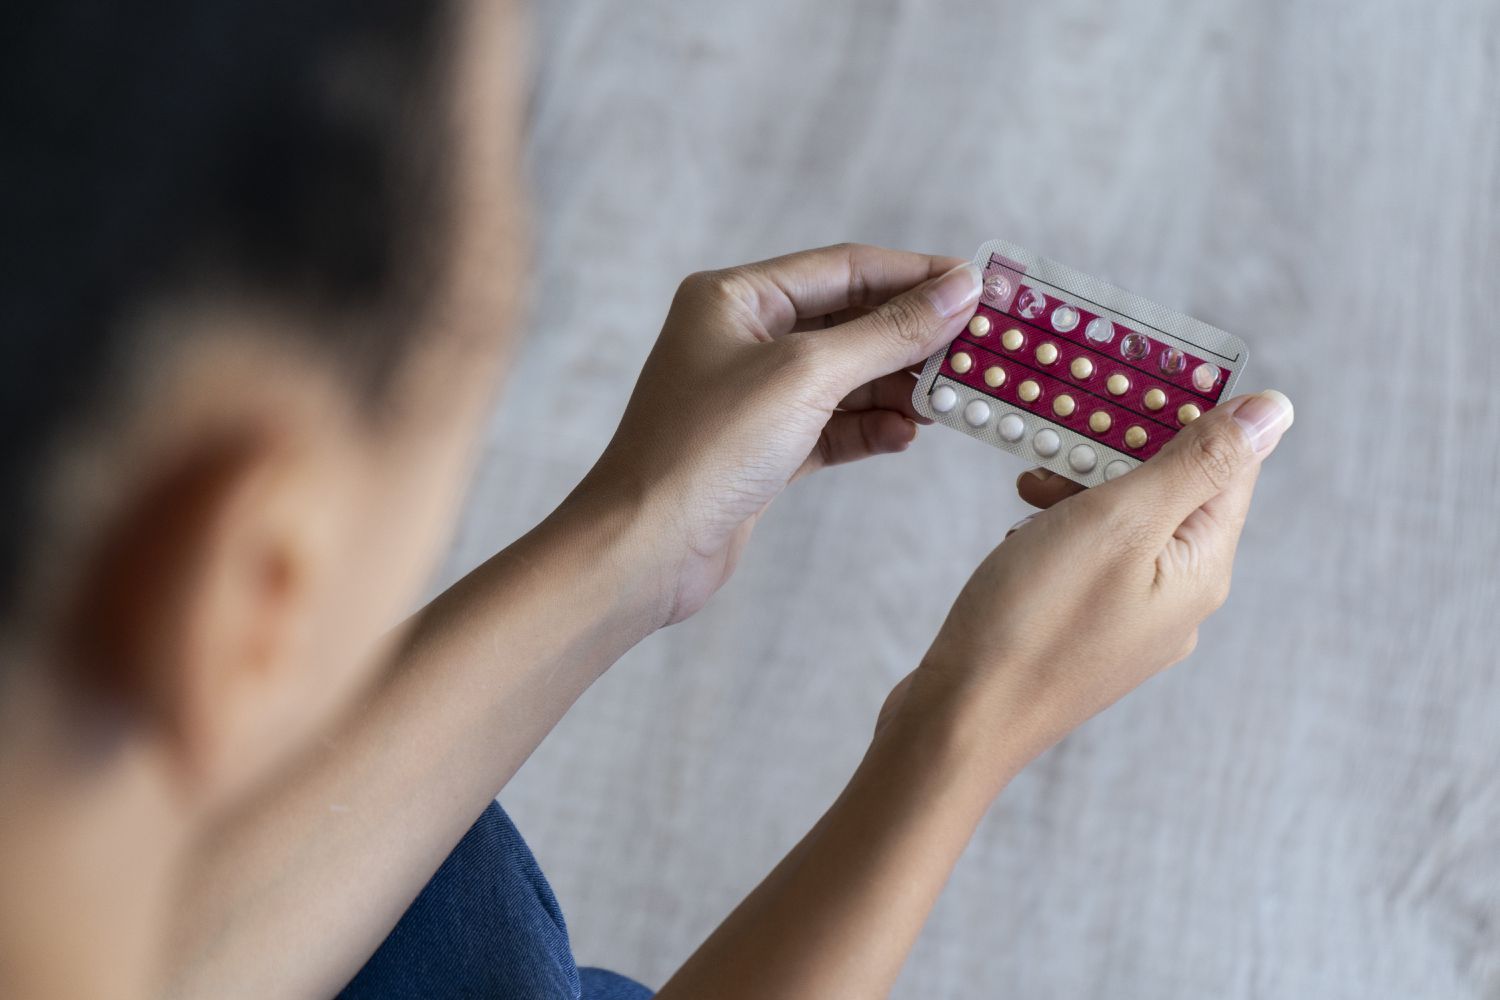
{"points": [[193, 608]]}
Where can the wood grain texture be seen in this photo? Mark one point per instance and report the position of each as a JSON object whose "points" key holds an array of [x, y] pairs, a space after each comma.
{"points": [[1311, 806]]}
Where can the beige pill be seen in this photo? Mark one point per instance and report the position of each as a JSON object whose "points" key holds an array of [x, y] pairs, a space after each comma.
{"points": [[1028, 391], [1117, 384], [994, 376], [1064, 406], [1099, 421], [979, 326], [961, 363], [1187, 413], [1154, 399], [1012, 339], [1081, 368], [1135, 437], [1046, 353]]}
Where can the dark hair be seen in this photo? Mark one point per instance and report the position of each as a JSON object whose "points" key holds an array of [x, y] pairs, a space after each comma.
{"points": [[156, 148]]}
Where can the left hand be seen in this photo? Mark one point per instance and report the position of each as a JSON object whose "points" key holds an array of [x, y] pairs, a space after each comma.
{"points": [[763, 373]]}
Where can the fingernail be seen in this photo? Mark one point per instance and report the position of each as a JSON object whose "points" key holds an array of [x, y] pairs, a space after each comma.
{"points": [[955, 291], [1041, 474], [1265, 417], [1023, 522]]}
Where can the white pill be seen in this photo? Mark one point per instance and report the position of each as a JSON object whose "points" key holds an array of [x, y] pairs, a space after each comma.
{"points": [[944, 398], [977, 413], [1082, 458], [1116, 469], [1012, 427], [1046, 442]]}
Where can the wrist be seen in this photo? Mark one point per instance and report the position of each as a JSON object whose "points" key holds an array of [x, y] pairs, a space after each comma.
{"points": [[624, 542], [982, 737]]}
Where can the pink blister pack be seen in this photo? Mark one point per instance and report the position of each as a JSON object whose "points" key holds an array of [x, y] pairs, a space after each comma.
{"points": [[1072, 373]]}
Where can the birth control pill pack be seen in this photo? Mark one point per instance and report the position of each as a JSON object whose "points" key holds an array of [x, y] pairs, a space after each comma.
{"points": [[1072, 373]]}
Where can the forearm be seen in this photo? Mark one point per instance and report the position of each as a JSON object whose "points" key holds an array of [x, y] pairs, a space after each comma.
{"points": [[839, 915], [318, 872]]}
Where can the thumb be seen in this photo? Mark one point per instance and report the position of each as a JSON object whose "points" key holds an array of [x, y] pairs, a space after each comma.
{"points": [[1206, 459], [903, 330]]}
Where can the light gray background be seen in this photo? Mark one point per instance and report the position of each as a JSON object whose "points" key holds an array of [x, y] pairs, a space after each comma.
{"points": [[1310, 807]]}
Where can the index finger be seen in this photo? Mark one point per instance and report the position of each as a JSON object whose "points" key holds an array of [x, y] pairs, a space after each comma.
{"points": [[829, 279]]}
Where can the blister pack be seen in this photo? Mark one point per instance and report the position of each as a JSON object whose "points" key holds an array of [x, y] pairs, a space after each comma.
{"points": [[1072, 373]]}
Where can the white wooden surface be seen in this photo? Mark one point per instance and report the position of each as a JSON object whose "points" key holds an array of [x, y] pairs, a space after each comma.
{"points": [[1308, 808]]}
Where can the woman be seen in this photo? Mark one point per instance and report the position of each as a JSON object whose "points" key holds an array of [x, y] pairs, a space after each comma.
{"points": [[262, 258]]}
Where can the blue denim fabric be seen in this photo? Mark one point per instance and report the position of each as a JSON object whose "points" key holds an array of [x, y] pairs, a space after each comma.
{"points": [[487, 927]]}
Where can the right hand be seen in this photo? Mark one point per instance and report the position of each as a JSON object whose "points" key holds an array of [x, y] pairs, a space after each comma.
{"points": [[1100, 591], [763, 373]]}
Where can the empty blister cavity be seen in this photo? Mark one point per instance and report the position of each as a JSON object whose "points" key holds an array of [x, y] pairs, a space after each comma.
{"points": [[1100, 330], [1046, 442], [1064, 318], [1012, 428], [977, 413], [1171, 362], [1031, 304], [944, 399], [1134, 347], [997, 288], [1205, 377]]}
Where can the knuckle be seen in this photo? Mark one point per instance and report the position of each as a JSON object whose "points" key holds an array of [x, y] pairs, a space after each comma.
{"points": [[711, 287], [846, 248], [695, 284], [906, 319], [1188, 645], [859, 293], [1218, 593], [1215, 456]]}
